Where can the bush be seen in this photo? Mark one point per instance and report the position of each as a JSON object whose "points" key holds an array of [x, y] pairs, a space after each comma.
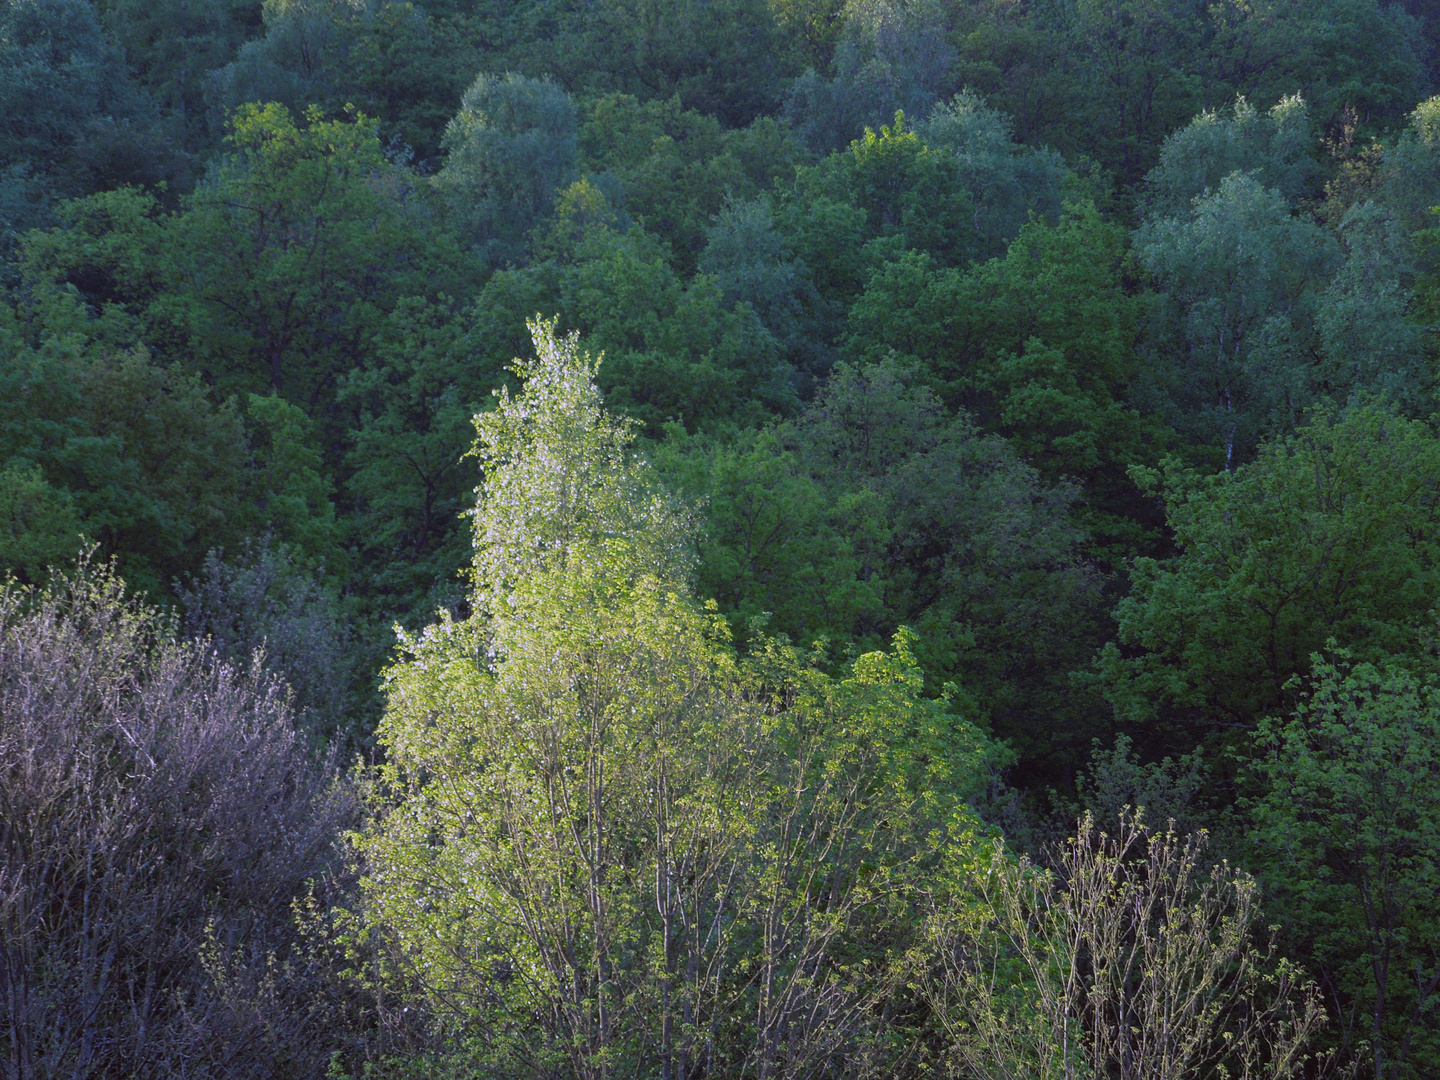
{"points": [[159, 820]]}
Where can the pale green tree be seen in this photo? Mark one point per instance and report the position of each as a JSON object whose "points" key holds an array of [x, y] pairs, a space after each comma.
{"points": [[750, 261], [1370, 336], [610, 848]]}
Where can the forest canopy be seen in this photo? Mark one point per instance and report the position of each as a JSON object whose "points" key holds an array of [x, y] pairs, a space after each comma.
{"points": [[719, 538]]}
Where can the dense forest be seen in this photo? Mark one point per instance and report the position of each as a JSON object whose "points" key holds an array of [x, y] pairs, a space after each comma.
{"points": [[720, 539]]}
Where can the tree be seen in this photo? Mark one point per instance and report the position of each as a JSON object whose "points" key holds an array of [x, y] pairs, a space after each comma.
{"points": [[678, 351], [393, 60], [878, 508], [274, 276], [1244, 278], [720, 57], [290, 253], [39, 527], [1370, 332], [673, 169], [58, 74], [512, 149], [1008, 182], [1132, 959], [173, 47], [1039, 346], [1134, 73], [1022, 62], [138, 456], [70, 121], [749, 261], [1348, 826], [292, 64], [1360, 59], [1405, 182], [890, 57], [810, 29], [910, 193], [413, 401], [611, 847], [265, 603], [1333, 531], [1275, 148]]}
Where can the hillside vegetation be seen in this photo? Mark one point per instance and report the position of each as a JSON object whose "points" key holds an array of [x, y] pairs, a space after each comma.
{"points": [[719, 539]]}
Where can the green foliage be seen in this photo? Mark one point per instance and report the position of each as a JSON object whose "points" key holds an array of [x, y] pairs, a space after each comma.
{"points": [[1243, 278], [1405, 182], [750, 261], [172, 47], [1332, 532], [326, 238], [1116, 783], [136, 456], [1040, 346], [1008, 182], [916, 375], [890, 57], [1021, 62], [674, 169], [716, 56], [1134, 63], [274, 275], [1370, 328], [69, 119], [810, 29], [1110, 80], [413, 402], [1276, 149], [678, 352], [287, 476], [557, 475], [395, 60], [1133, 957], [635, 852], [512, 148], [1355, 56], [40, 529], [911, 194], [58, 75], [878, 508], [1349, 828]]}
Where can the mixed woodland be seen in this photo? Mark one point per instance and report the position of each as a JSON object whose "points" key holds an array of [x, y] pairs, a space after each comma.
{"points": [[714, 539]]}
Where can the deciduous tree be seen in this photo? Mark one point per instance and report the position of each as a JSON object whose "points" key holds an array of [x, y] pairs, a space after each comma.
{"points": [[1349, 830], [1132, 959], [611, 847], [1333, 531]]}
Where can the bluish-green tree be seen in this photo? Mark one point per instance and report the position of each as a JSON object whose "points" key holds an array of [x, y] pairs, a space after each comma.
{"points": [[512, 149]]}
